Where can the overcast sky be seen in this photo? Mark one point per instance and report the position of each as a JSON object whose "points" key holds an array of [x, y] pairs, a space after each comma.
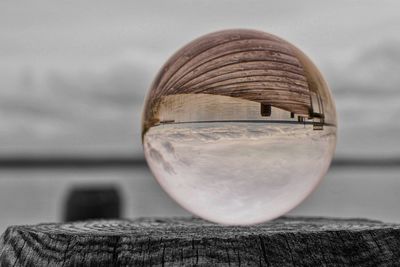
{"points": [[73, 74]]}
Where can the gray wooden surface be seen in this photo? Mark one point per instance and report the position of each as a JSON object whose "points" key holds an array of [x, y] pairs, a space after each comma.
{"points": [[288, 241]]}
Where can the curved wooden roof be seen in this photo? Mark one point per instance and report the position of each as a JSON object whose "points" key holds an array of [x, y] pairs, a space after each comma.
{"points": [[247, 64]]}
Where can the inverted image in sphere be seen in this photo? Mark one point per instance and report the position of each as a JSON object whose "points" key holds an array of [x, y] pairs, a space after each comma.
{"points": [[239, 127]]}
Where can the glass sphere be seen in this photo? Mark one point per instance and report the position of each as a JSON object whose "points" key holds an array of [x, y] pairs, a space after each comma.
{"points": [[239, 127]]}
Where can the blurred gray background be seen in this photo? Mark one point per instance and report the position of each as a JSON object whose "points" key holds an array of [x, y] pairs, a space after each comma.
{"points": [[74, 74]]}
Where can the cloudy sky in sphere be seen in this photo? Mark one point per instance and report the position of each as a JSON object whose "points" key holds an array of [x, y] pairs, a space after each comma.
{"points": [[73, 74]]}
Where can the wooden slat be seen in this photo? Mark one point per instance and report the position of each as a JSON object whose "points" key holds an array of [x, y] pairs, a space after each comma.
{"points": [[244, 82], [232, 78]]}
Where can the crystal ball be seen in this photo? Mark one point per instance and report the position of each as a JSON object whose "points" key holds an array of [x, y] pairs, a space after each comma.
{"points": [[239, 127]]}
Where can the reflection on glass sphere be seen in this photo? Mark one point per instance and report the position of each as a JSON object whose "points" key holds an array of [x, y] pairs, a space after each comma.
{"points": [[239, 127]]}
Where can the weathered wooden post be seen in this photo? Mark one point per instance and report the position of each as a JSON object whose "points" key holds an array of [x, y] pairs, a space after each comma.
{"points": [[189, 241]]}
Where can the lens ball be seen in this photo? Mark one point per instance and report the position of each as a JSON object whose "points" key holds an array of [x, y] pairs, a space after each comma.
{"points": [[239, 127]]}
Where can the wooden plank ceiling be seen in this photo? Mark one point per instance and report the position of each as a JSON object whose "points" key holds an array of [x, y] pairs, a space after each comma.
{"points": [[245, 64]]}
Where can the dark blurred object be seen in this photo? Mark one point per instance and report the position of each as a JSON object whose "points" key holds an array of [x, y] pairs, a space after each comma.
{"points": [[92, 202]]}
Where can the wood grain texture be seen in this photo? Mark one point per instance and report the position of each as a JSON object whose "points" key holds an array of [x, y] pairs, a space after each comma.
{"points": [[189, 241], [246, 64]]}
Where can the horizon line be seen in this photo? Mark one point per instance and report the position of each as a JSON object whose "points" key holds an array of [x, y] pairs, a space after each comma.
{"points": [[131, 162]]}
